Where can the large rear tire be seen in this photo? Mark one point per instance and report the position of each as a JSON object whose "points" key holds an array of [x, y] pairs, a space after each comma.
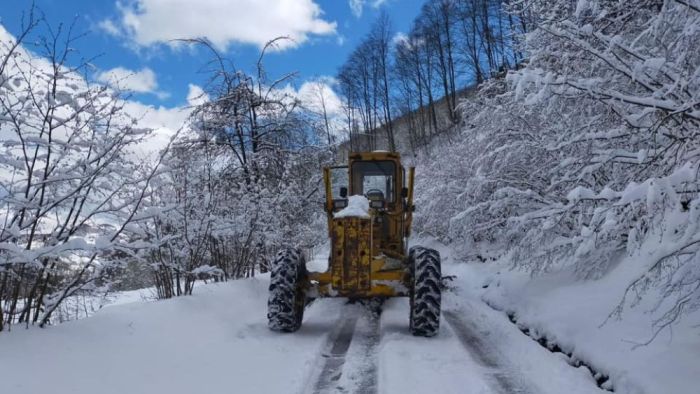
{"points": [[425, 294], [287, 297]]}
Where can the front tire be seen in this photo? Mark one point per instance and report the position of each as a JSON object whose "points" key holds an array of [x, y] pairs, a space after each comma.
{"points": [[287, 295], [425, 296]]}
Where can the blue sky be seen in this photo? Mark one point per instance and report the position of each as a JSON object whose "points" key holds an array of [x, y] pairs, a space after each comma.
{"points": [[132, 36]]}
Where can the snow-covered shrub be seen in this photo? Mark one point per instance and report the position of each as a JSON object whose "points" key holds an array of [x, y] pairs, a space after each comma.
{"points": [[69, 183], [241, 183]]}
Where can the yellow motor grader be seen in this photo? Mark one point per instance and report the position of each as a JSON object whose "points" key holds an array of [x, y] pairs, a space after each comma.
{"points": [[369, 204]]}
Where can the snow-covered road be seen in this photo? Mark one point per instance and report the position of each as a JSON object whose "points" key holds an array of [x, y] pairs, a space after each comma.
{"points": [[478, 351], [217, 342]]}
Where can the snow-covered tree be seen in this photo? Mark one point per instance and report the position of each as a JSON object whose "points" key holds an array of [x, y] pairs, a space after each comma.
{"points": [[239, 185], [589, 151], [71, 186]]}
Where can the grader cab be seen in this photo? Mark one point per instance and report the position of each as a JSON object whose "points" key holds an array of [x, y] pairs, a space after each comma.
{"points": [[369, 205]]}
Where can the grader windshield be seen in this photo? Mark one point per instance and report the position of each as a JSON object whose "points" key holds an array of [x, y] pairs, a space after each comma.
{"points": [[374, 179]]}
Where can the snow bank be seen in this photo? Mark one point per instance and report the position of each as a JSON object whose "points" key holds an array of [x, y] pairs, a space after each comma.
{"points": [[574, 314], [358, 206]]}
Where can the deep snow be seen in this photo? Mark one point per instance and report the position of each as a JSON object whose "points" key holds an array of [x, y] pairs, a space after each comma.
{"points": [[574, 314], [217, 341]]}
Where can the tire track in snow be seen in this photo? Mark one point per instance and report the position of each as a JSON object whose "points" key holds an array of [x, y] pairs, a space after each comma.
{"points": [[334, 358], [370, 340], [355, 371], [504, 379]]}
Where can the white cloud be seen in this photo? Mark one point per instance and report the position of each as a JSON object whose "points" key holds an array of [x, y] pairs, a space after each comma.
{"points": [[142, 81], [109, 27], [399, 38], [341, 40], [312, 93], [223, 22], [5, 36], [196, 95], [357, 6], [163, 120]]}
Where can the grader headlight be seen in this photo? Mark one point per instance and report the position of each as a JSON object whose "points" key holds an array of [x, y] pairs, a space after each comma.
{"points": [[340, 203]]}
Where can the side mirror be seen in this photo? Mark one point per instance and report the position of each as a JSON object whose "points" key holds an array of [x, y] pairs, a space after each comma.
{"points": [[343, 192], [404, 192]]}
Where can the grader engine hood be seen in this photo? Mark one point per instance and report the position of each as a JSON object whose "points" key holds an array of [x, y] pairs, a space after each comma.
{"points": [[357, 266], [350, 259]]}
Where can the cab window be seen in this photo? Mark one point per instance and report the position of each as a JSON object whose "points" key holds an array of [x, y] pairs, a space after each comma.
{"points": [[374, 179], [339, 179]]}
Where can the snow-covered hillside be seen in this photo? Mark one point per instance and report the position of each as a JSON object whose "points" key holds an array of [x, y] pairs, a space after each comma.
{"points": [[581, 168]]}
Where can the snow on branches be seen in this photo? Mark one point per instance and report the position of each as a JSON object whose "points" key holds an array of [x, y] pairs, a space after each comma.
{"points": [[590, 150], [70, 182], [238, 186]]}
